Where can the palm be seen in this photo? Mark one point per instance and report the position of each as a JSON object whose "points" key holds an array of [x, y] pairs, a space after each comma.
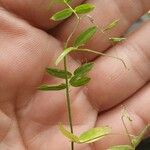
{"points": [[29, 118]]}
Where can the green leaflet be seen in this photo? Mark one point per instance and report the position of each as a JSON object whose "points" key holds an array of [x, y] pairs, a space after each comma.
{"points": [[121, 147], [83, 69], [68, 134], [111, 25], [61, 15], [89, 136], [80, 78], [77, 81], [84, 8], [85, 36], [63, 54], [94, 134], [46, 87], [58, 73], [116, 39]]}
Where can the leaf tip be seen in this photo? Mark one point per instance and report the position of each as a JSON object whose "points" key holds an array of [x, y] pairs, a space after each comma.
{"points": [[52, 18]]}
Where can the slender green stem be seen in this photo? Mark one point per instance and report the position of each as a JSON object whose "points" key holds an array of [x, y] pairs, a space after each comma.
{"points": [[75, 27], [70, 36], [102, 54], [72, 10], [126, 129], [68, 102], [66, 69]]}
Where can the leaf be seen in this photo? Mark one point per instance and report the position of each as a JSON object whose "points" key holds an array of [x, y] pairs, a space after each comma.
{"points": [[58, 73], [121, 147], [116, 39], [94, 134], [61, 15], [77, 81], [137, 139], [63, 54], [84, 8], [111, 25], [89, 136], [83, 69], [68, 134], [46, 87], [85, 36]]}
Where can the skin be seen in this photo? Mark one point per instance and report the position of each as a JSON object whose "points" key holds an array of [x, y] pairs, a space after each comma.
{"points": [[28, 117]]}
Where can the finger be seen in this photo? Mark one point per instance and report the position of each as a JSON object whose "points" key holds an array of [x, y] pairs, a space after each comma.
{"points": [[127, 11], [36, 12], [24, 53], [111, 83], [138, 109]]}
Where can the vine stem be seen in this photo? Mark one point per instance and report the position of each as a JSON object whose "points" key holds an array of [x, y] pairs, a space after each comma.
{"points": [[68, 101], [69, 108], [106, 35], [103, 54], [126, 129], [72, 10]]}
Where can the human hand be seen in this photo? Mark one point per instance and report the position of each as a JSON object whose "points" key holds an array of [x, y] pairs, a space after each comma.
{"points": [[29, 117]]}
